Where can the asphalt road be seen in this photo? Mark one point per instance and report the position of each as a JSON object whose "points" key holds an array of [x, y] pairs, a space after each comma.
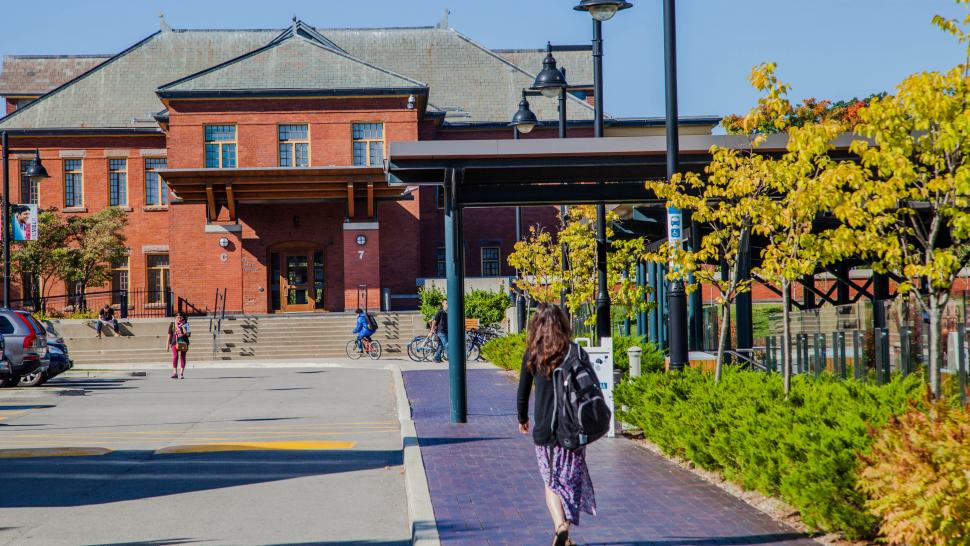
{"points": [[226, 456]]}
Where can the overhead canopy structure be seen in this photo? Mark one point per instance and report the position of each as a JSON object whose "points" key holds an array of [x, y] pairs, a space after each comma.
{"points": [[259, 185], [521, 172]]}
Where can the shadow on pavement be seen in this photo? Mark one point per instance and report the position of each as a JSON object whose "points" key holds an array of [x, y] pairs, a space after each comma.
{"points": [[163, 542], [23, 408], [130, 475], [90, 383], [441, 441]]}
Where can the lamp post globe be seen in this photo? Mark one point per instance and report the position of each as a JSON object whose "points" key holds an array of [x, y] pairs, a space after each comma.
{"points": [[550, 80], [524, 119], [602, 10], [36, 170]]}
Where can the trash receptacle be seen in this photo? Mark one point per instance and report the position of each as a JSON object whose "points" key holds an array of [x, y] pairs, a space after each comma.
{"points": [[634, 353]]}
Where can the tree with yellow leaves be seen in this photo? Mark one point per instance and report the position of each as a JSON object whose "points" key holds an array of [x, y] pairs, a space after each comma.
{"points": [[906, 206], [538, 260]]}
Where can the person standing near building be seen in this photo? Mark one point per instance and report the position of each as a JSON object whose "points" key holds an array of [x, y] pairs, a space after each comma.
{"points": [[439, 327], [178, 341], [568, 487]]}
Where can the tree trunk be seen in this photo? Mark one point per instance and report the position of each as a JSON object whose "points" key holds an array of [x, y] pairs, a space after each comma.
{"points": [[722, 338], [936, 356], [786, 336]]}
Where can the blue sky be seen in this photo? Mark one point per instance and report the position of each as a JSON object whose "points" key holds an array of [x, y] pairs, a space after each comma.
{"points": [[824, 48]]}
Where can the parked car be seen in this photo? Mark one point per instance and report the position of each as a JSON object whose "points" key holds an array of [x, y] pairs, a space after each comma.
{"points": [[25, 345], [6, 371], [60, 362]]}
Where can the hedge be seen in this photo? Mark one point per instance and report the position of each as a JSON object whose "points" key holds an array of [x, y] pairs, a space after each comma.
{"points": [[507, 351], [804, 449]]}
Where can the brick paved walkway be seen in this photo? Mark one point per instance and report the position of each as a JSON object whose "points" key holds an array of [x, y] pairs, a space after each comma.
{"points": [[486, 489]]}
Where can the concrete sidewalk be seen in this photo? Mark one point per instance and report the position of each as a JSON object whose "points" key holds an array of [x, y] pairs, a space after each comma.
{"points": [[485, 486]]}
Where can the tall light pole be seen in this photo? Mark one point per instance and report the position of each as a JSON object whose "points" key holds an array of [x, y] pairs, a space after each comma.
{"points": [[600, 10], [35, 171], [676, 298]]}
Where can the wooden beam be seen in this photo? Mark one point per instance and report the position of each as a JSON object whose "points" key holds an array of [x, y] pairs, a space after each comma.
{"points": [[230, 202], [350, 199], [370, 199], [211, 201]]}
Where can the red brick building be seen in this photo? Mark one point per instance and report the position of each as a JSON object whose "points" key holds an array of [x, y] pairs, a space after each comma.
{"points": [[251, 161]]}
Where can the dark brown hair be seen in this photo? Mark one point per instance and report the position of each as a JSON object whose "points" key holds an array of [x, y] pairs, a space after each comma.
{"points": [[548, 340]]}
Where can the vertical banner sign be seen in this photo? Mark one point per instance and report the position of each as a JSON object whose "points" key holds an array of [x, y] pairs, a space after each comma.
{"points": [[23, 222], [602, 359], [675, 229]]}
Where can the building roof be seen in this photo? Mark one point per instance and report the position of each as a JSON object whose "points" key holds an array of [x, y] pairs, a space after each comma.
{"points": [[34, 75], [295, 64], [468, 82]]}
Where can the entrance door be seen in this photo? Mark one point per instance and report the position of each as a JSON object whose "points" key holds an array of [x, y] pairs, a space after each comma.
{"points": [[296, 283]]}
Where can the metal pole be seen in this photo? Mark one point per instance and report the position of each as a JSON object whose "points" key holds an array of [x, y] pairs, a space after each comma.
{"points": [[456, 298], [6, 220], [603, 322], [563, 250], [520, 311], [676, 298]]}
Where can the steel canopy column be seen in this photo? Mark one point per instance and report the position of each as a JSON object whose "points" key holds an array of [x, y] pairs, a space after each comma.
{"points": [[743, 308], [456, 297], [642, 283], [653, 324], [695, 303]]}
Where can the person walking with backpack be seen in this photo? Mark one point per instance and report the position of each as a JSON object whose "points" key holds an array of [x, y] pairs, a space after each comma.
{"points": [[551, 361], [178, 342]]}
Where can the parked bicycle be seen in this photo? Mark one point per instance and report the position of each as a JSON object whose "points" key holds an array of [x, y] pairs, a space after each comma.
{"points": [[368, 347]]}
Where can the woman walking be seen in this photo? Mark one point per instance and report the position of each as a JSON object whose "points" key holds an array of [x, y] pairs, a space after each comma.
{"points": [[178, 342], [568, 487]]}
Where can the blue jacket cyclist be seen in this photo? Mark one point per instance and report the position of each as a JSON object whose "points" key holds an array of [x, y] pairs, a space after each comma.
{"points": [[362, 331]]}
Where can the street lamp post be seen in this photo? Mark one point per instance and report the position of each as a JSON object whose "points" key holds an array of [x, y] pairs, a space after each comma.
{"points": [[35, 171], [523, 121], [676, 298], [600, 10]]}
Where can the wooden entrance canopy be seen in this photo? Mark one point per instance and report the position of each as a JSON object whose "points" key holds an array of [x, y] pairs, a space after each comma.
{"points": [[268, 185]]}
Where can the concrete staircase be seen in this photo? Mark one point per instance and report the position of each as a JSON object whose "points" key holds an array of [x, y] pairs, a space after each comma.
{"points": [[242, 337]]}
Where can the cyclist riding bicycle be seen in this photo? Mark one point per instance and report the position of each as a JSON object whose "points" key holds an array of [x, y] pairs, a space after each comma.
{"points": [[362, 330]]}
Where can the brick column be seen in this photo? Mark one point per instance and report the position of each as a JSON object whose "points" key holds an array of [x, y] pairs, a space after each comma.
{"points": [[362, 264]]}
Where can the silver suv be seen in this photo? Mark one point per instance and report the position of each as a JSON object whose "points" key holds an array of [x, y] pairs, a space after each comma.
{"points": [[25, 344]]}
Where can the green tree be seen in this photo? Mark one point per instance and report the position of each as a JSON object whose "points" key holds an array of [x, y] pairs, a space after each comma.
{"points": [[42, 259], [96, 242]]}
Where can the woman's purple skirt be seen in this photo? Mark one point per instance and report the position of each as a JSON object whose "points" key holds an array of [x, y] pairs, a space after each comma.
{"points": [[565, 472]]}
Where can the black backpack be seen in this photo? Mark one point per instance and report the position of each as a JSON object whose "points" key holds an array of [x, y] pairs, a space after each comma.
{"points": [[371, 322], [580, 414]]}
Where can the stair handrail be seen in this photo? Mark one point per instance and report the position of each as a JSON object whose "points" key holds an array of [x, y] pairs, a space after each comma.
{"points": [[748, 360]]}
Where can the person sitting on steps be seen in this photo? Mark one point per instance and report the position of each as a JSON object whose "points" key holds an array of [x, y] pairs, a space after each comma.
{"points": [[106, 316]]}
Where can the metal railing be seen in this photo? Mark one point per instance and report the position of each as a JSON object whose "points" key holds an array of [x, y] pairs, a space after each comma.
{"points": [[127, 303], [216, 318]]}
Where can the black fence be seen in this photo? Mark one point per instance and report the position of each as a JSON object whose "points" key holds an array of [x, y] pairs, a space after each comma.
{"points": [[126, 303]]}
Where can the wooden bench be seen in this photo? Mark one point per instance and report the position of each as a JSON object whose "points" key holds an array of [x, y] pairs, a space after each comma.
{"points": [[472, 323]]}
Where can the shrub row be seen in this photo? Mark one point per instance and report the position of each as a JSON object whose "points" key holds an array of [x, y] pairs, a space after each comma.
{"points": [[804, 449], [507, 351]]}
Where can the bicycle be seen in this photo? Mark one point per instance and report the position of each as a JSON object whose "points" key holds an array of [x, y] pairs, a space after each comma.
{"points": [[371, 348]]}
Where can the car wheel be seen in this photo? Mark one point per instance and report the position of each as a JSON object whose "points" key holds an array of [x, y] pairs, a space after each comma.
{"points": [[11, 382], [35, 379]]}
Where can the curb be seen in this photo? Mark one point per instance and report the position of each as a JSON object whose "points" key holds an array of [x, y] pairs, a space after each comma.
{"points": [[424, 529]]}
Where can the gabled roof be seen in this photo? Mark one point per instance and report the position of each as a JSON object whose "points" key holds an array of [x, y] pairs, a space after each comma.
{"points": [[468, 82], [299, 28], [293, 64], [34, 75]]}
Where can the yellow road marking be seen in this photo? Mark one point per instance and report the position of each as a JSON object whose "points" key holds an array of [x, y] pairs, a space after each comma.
{"points": [[24, 453], [256, 446], [223, 435]]}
